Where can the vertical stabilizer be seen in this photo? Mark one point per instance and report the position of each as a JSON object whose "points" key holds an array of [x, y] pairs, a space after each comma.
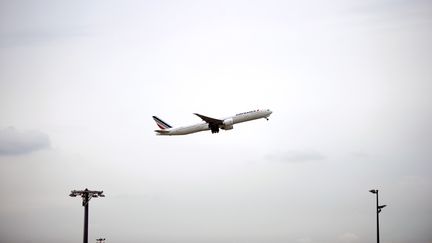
{"points": [[161, 124]]}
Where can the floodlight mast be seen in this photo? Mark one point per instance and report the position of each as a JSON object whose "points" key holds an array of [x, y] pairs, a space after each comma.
{"points": [[378, 210], [86, 196]]}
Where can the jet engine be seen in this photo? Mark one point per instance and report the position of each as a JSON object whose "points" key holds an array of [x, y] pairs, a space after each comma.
{"points": [[228, 124]]}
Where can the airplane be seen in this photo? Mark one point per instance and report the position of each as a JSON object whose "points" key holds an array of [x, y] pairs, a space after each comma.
{"points": [[211, 124]]}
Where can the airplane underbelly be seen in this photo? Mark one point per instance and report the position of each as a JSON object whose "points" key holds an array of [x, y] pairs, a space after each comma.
{"points": [[191, 129]]}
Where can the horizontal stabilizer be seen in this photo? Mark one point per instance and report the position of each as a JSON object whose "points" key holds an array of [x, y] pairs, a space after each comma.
{"points": [[162, 131]]}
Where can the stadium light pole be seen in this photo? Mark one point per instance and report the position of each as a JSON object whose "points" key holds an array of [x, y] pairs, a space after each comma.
{"points": [[86, 196], [378, 210]]}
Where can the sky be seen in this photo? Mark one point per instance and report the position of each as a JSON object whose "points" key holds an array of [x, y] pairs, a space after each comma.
{"points": [[349, 84]]}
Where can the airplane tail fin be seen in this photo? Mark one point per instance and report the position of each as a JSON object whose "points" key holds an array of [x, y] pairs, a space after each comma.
{"points": [[163, 125]]}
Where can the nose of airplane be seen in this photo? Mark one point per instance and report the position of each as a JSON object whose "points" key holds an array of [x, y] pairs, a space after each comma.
{"points": [[269, 111]]}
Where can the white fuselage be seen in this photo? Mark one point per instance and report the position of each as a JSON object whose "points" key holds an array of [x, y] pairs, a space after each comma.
{"points": [[203, 126]]}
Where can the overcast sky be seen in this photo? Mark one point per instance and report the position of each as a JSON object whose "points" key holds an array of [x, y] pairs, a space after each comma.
{"points": [[349, 84]]}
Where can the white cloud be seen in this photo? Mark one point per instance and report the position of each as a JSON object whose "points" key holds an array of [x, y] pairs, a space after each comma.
{"points": [[14, 142]]}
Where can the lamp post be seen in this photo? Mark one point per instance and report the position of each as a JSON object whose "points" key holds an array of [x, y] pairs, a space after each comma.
{"points": [[378, 210], [100, 240], [86, 196]]}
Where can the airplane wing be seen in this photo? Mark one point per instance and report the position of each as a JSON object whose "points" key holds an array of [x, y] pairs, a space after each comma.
{"points": [[210, 120]]}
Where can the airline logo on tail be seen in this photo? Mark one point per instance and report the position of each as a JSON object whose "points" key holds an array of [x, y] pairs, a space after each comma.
{"points": [[161, 124]]}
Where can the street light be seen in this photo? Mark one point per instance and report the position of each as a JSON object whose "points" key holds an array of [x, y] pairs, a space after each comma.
{"points": [[86, 196], [100, 240], [378, 210]]}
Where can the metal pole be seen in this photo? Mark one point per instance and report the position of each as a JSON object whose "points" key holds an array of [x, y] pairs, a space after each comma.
{"points": [[378, 211], [86, 195], [378, 237], [86, 211]]}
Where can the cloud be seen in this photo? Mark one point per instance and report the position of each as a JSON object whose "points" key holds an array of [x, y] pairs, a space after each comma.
{"points": [[14, 142], [348, 237], [296, 156]]}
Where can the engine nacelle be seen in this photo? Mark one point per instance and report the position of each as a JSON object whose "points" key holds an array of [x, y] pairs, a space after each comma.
{"points": [[228, 124]]}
